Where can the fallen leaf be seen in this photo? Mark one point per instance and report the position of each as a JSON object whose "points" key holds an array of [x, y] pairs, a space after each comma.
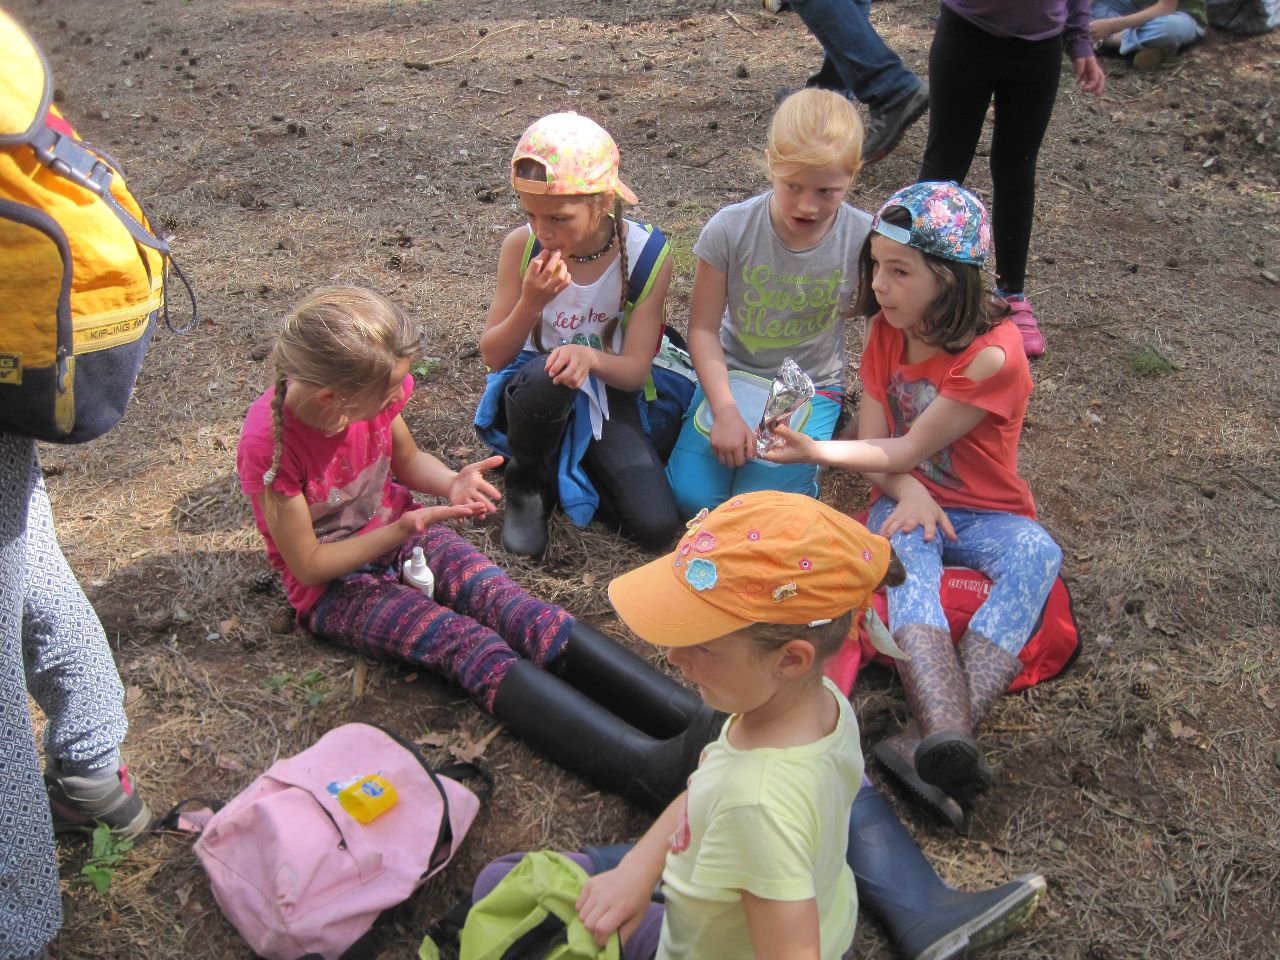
{"points": [[1115, 606], [132, 695], [229, 763], [432, 740], [461, 452], [589, 580], [183, 892], [409, 678], [358, 676], [226, 626], [467, 749]]}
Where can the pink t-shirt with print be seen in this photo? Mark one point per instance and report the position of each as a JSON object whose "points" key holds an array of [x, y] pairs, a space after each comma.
{"points": [[345, 479]]}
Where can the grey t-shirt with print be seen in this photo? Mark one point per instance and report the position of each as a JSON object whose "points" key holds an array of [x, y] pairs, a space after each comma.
{"points": [[783, 302]]}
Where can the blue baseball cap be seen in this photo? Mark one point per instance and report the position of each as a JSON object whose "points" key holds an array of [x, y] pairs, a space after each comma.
{"points": [[947, 221]]}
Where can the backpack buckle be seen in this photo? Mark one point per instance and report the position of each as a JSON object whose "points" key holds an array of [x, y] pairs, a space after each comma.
{"points": [[67, 157]]}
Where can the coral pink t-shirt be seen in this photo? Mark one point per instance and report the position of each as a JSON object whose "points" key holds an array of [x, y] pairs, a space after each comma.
{"points": [[980, 470], [345, 479]]}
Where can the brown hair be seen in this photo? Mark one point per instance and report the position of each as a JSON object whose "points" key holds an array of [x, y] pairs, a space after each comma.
{"points": [[961, 312], [527, 168], [348, 339]]}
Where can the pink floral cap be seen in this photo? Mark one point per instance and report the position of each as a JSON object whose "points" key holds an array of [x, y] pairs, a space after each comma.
{"points": [[763, 557], [579, 156], [947, 221]]}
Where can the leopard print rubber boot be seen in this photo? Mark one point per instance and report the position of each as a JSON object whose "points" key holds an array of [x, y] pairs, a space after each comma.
{"points": [[897, 755], [947, 756], [988, 670]]}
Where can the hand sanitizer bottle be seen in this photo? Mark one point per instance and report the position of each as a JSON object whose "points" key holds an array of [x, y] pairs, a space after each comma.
{"points": [[416, 573]]}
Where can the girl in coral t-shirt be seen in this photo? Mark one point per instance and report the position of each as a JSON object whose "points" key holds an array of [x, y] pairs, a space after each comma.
{"points": [[946, 384]]}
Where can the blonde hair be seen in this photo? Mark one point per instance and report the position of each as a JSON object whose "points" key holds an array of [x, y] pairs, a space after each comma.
{"points": [[815, 128], [528, 168], [347, 339]]}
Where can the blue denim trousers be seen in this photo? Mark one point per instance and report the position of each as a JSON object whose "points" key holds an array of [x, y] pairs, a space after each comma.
{"points": [[856, 62], [1172, 32], [1017, 553]]}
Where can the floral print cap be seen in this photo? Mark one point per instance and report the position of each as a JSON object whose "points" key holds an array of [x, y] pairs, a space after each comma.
{"points": [[947, 221], [579, 156], [763, 557]]}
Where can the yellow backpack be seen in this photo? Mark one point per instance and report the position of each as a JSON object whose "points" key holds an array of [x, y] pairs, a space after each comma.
{"points": [[84, 275]]}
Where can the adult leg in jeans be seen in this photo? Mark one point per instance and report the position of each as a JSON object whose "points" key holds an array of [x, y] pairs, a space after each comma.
{"points": [[630, 478], [30, 903], [857, 61]]}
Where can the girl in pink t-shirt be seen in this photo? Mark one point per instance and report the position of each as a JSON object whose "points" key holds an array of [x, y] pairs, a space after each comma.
{"points": [[330, 465], [945, 384]]}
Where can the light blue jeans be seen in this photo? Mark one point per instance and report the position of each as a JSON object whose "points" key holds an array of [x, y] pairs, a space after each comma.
{"points": [[700, 480], [1172, 32], [1015, 552]]}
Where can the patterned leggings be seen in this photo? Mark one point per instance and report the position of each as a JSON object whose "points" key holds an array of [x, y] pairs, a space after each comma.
{"points": [[479, 623], [52, 645]]}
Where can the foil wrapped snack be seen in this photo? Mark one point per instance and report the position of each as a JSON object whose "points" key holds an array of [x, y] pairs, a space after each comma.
{"points": [[792, 388]]}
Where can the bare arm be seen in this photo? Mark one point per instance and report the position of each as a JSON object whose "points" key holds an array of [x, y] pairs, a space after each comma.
{"points": [[518, 301], [783, 929], [732, 438], [618, 898], [915, 504], [315, 563], [1101, 29], [419, 470]]}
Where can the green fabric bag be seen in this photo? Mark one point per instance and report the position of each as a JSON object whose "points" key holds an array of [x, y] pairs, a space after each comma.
{"points": [[530, 915]]}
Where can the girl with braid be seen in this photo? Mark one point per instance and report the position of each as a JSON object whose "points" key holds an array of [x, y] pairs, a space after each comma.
{"points": [[330, 467], [571, 335]]}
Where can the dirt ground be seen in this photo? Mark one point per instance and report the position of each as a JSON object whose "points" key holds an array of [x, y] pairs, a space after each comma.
{"points": [[290, 145]]}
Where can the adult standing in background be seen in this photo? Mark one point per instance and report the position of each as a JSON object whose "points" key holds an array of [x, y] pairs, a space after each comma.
{"points": [[858, 64], [985, 50]]}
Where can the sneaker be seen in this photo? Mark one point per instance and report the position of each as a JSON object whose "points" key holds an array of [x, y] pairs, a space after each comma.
{"points": [[884, 130], [775, 6], [81, 803], [1025, 320], [1150, 58]]}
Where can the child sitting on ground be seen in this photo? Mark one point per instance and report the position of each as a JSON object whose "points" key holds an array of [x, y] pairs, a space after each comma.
{"points": [[773, 280], [1151, 34]]}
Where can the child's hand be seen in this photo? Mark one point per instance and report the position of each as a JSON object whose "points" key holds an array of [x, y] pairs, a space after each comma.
{"points": [[1089, 75], [469, 488], [571, 364], [794, 447], [546, 277], [1101, 29], [610, 900], [732, 441], [415, 521], [918, 508]]}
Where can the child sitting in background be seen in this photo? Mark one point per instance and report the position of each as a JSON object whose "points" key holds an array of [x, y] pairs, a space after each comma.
{"points": [[1152, 34], [773, 280]]}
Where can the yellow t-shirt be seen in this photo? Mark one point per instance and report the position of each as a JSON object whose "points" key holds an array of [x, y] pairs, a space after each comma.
{"points": [[774, 822]]}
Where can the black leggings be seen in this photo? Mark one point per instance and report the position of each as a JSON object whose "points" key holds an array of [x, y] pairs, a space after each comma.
{"points": [[635, 497], [967, 68]]}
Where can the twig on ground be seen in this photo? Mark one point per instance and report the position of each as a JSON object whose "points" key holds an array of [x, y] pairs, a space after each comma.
{"points": [[428, 64]]}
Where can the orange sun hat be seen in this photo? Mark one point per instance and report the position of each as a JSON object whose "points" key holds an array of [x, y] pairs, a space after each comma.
{"points": [[764, 557]]}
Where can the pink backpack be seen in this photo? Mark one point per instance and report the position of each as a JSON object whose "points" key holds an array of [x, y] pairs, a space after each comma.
{"points": [[298, 876]]}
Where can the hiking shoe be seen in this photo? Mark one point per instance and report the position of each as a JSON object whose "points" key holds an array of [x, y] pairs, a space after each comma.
{"points": [[81, 803], [885, 129], [1025, 320], [1150, 58]]}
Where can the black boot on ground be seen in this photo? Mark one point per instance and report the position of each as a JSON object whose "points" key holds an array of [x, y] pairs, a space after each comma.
{"points": [[575, 732], [632, 688], [530, 476], [926, 918]]}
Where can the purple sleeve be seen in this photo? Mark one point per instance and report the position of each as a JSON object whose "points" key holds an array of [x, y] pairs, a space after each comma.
{"points": [[1075, 34]]}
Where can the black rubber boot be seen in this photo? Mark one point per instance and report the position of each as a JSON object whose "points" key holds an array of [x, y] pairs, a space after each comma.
{"points": [[926, 918], [631, 687], [582, 736], [530, 478]]}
